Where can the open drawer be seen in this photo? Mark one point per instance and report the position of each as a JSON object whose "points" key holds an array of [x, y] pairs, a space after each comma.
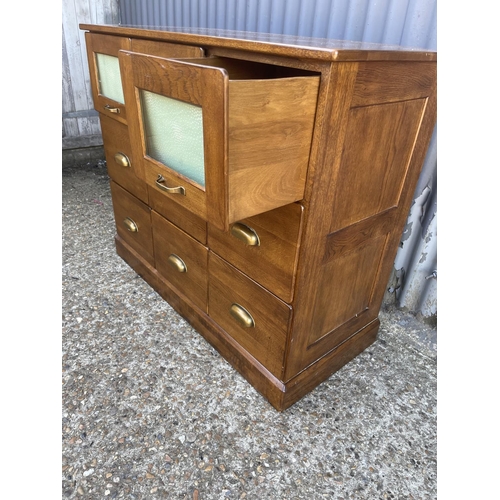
{"points": [[225, 138]]}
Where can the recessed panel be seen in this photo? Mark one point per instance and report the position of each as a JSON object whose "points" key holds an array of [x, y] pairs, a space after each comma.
{"points": [[174, 134], [378, 147], [346, 286]]}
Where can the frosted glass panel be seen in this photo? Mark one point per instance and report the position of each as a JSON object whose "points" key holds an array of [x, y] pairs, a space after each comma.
{"points": [[174, 134], [110, 82]]}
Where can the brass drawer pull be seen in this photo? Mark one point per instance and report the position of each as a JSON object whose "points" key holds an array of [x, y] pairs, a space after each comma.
{"points": [[242, 316], [245, 234], [175, 190], [111, 109], [122, 159], [130, 225], [177, 263]]}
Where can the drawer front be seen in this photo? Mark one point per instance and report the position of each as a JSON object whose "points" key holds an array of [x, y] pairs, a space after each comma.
{"points": [[225, 139], [255, 318], [265, 247], [181, 260], [105, 76], [186, 220], [133, 222], [119, 160]]}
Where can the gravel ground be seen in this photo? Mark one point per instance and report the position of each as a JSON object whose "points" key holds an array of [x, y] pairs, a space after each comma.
{"points": [[152, 411]]}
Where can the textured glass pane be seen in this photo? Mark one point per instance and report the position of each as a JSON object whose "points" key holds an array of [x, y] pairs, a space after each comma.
{"points": [[174, 134], [110, 82]]}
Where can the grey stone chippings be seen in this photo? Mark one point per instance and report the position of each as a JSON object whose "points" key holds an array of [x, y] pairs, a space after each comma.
{"points": [[152, 411]]}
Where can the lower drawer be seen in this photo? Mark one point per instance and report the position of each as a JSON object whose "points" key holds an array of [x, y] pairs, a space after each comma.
{"points": [[181, 260], [133, 221], [255, 318]]}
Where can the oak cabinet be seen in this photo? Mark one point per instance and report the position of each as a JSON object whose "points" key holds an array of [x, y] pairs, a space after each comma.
{"points": [[261, 184]]}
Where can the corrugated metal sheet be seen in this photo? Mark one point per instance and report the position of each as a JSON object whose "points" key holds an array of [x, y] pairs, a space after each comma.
{"points": [[410, 23]]}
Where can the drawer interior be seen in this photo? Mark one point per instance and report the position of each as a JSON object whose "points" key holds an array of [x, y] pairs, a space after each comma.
{"points": [[239, 69]]}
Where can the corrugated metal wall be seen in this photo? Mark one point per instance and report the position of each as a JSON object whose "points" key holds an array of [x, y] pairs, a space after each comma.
{"points": [[403, 22], [411, 23]]}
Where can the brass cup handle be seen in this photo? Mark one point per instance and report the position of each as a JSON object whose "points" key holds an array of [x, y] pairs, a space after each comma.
{"points": [[177, 263], [130, 225], [242, 316], [172, 190], [122, 159], [246, 234], [112, 109]]}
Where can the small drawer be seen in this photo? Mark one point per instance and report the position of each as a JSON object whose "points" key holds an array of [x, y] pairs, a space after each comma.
{"points": [[181, 260], [255, 318], [224, 138], [105, 77], [265, 247], [186, 220], [133, 221], [119, 160]]}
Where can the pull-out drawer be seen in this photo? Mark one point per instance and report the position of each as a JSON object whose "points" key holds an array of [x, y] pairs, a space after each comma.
{"points": [[119, 160], [181, 260], [104, 67], [255, 318], [186, 220], [226, 139], [265, 247], [105, 77], [133, 222]]}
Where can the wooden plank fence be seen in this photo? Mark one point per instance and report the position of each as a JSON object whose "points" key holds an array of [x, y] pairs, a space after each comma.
{"points": [[80, 122]]}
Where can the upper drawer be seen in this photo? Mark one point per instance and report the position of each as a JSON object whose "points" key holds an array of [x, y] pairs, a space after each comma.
{"points": [[265, 247], [105, 77], [227, 139], [102, 52], [119, 160]]}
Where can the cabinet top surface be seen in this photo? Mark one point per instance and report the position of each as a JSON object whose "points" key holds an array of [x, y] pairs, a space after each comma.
{"points": [[287, 45]]}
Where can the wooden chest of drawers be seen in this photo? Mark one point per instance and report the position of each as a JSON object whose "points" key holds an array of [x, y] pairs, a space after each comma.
{"points": [[261, 184]]}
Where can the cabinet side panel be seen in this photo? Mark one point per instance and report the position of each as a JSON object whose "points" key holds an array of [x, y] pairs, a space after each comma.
{"points": [[374, 173], [371, 179], [393, 82]]}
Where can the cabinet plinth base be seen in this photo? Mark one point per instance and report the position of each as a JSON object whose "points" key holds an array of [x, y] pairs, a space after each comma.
{"points": [[280, 394]]}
